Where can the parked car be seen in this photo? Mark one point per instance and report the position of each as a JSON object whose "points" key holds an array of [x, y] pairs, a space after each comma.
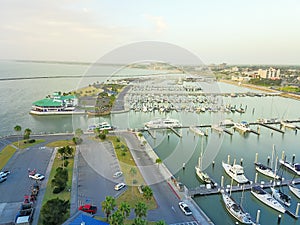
{"points": [[119, 186], [2, 179], [37, 176], [185, 208], [88, 208], [4, 173], [117, 174]]}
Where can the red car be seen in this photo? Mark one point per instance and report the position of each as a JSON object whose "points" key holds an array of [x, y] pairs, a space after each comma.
{"points": [[88, 208]]}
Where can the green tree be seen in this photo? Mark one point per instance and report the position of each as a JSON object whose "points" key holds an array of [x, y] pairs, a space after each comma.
{"points": [[158, 161], [124, 209], [116, 218], [18, 129], [140, 209], [59, 182], [27, 133], [54, 211], [147, 192], [139, 221], [140, 135], [108, 205]]}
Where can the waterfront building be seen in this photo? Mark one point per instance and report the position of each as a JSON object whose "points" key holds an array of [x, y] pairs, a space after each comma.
{"points": [[55, 103]]}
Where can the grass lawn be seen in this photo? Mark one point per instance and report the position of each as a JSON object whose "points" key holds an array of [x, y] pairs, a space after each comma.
{"points": [[5, 155], [133, 180], [66, 194], [22, 144]]}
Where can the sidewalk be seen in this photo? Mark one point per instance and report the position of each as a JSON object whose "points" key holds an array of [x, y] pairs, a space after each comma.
{"points": [[198, 214]]}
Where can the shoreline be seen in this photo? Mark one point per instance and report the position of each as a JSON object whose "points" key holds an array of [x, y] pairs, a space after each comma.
{"points": [[261, 88]]}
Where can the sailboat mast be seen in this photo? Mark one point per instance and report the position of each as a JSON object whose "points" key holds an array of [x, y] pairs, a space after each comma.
{"points": [[272, 158]]}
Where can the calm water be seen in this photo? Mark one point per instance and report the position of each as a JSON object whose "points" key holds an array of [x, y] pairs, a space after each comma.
{"points": [[17, 96]]}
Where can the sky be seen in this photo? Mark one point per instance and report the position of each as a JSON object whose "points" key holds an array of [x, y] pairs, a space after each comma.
{"points": [[217, 31]]}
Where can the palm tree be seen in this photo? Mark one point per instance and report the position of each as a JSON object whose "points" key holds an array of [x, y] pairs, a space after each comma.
{"points": [[124, 209], [140, 209], [18, 129], [116, 218], [108, 206], [147, 192], [27, 133]]}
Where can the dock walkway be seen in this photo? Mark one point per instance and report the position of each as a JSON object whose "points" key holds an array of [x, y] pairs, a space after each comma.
{"points": [[202, 190]]}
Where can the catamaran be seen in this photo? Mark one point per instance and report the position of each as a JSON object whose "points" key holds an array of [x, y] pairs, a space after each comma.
{"points": [[236, 172], [267, 198]]}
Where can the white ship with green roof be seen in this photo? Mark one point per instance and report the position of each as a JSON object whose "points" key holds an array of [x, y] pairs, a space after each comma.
{"points": [[56, 104]]}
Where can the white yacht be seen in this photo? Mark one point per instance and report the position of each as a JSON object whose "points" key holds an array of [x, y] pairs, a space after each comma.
{"points": [[163, 123], [236, 210], [281, 197], [242, 126], [196, 130], [267, 171], [236, 172], [267, 198], [293, 167], [294, 190]]}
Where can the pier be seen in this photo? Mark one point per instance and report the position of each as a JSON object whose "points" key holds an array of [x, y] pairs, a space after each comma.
{"points": [[175, 132], [272, 128], [202, 190]]}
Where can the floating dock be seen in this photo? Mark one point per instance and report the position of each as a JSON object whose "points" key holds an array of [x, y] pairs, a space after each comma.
{"points": [[272, 128]]}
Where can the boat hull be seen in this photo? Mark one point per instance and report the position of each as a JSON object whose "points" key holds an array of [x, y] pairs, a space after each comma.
{"points": [[268, 200], [295, 191]]}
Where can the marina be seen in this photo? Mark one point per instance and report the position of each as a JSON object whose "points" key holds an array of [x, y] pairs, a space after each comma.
{"points": [[186, 149]]}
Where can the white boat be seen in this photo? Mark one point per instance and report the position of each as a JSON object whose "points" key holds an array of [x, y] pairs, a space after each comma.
{"points": [[294, 190], [236, 210], [293, 167], [281, 197], [203, 176], [236, 172], [105, 126], [163, 123], [267, 171], [242, 126], [267, 199]]}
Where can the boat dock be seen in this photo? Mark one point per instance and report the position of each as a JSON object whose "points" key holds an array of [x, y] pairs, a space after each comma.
{"points": [[270, 127], [202, 190], [175, 132]]}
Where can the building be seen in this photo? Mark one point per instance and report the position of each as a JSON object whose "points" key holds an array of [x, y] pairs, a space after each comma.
{"points": [[270, 73], [55, 103], [82, 218]]}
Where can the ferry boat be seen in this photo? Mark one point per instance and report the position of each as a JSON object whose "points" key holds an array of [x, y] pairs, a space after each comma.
{"points": [[281, 197], [267, 199], [293, 167], [163, 123], [236, 210], [242, 126], [236, 172], [101, 126], [294, 190], [267, 171]]}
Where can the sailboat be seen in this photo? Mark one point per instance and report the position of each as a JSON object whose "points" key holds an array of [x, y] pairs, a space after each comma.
{"points": [[278, 194], [200, 173], [267, 198], [236, 209], [267, 171]]}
